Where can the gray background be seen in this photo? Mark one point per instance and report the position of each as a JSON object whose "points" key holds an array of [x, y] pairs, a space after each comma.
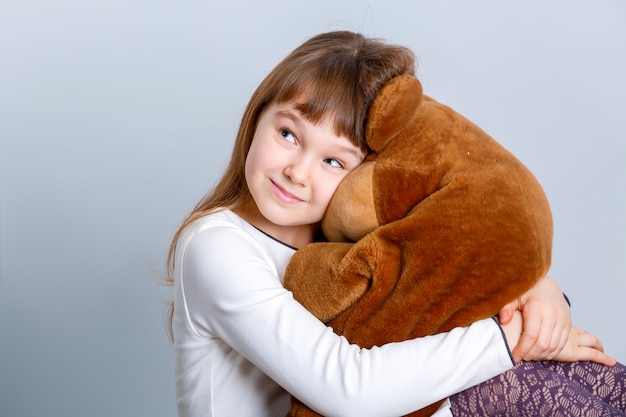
{"points": [[116, 116]]}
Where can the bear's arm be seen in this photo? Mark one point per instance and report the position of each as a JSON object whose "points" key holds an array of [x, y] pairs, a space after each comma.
{"points": [[315, 277]]}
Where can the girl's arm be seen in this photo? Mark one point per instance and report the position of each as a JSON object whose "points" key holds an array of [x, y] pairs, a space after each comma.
{"points": [[249, 309]]}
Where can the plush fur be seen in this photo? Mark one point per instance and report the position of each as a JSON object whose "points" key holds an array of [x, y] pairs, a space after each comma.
{"points": [[449, 227]]}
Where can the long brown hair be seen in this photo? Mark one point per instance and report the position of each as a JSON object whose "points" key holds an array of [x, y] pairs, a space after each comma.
{"points": [[339, 74]]}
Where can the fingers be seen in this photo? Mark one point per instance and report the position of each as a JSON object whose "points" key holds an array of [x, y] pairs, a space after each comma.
{"points": [[559, 336], [589, 340], [541, 339], [561, 342], [536, 337], [595, 355], [584, 346], [531, 345]]}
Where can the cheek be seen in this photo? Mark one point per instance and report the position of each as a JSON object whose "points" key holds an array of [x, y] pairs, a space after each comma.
{"points": [[264, 154], [326, 189], [255, 158], [250, 164]]}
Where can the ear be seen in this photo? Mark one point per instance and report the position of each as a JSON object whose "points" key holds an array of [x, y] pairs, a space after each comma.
{"points": [[393, 108]]}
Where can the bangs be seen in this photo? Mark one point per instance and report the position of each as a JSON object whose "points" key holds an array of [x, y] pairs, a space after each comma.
{"points": [[318, 105]]}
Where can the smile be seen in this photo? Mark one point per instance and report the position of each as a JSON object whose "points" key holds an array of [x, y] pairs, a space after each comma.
{"points": [[284, 195]]}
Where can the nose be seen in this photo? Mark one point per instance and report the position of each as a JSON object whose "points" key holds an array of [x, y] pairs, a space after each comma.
{"points": [[298, 171]]}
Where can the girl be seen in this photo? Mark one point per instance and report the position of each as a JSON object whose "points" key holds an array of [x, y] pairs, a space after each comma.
{"points": [[242, 344]]}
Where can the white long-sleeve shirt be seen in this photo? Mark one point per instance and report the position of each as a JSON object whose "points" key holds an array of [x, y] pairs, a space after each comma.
{"points": [[242, 343]]}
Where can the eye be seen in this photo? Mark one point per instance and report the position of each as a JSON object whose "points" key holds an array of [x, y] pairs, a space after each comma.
{"points": [[287, 135], [333, 162]]}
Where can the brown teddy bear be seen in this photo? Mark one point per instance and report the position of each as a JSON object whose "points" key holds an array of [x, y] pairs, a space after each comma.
{"points": [[438, 228]]}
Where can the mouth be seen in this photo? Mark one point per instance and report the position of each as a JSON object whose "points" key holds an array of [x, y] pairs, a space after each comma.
{"points": [[284, 195]]}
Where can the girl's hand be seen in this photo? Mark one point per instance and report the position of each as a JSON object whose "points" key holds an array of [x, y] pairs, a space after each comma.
{"points": [[583, 346], [547, 321]]}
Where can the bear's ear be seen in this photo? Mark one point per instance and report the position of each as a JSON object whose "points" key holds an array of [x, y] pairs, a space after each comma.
{"points": [[393, 108]]}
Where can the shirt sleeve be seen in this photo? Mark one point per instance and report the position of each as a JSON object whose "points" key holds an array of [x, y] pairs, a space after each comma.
{"points": [[232, 291]]}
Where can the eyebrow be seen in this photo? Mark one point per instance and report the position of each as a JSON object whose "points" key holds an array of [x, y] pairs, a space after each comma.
{"points": [[354, 151], [290, 114]]}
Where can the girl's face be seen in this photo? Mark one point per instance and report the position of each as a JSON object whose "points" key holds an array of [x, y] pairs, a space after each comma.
{"points": [[292, 169]]}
